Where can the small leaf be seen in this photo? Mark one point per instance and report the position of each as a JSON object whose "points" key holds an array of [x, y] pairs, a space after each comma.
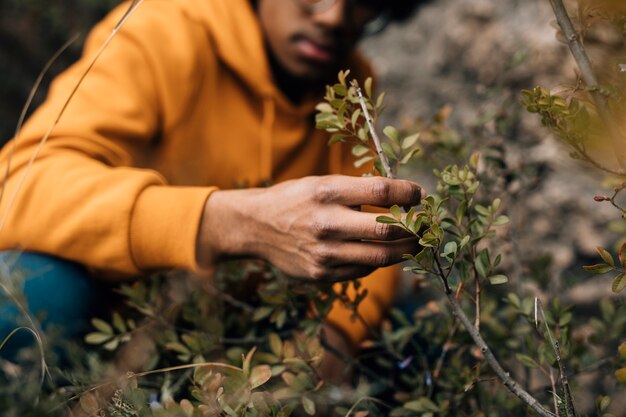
{"points": [[526, 360], [388, 150], [474, 160], [262, 312], [392, 133], [337, 137], [396, 212], [619, 282], [464, 241], [622, 350], [407, 157], [309, 405], [380, 99], [409, 141], [621, 255], [276, 345], [386, 220], [118, 322], [620, 374], [260, 375], [97, 338], [112, 345], [598, 268], [102, 325], [604, 402], [355, 117], [501, 220], [359, 163], [368, 87], [498, 279], [606, 256], [324, 108], [359, 150]]}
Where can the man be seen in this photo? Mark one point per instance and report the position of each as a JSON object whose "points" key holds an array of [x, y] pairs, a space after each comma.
{"points": [[191, 98]]}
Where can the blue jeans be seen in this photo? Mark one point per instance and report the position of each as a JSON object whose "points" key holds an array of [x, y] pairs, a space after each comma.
{"points": [[58, 293]]}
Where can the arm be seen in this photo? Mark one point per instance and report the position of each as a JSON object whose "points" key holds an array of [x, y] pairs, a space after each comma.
{"points": [[82, 199]]}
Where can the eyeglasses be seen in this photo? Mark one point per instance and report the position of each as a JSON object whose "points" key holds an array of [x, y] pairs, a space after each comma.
{"points": [[372, 10], [320, 6]]}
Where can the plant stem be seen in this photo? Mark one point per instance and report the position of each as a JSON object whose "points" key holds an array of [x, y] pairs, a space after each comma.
{"points": [[379, 149], [586, 71], [504, 376]]}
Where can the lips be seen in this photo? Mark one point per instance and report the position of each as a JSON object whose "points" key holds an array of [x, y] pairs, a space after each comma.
{"points": [[315, 51]]}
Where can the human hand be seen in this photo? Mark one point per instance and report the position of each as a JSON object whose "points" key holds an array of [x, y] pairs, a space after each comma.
{"points": [[310, 227]]}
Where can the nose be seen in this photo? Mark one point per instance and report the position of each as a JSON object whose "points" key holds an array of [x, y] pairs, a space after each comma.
{"points": [[334, 17]]}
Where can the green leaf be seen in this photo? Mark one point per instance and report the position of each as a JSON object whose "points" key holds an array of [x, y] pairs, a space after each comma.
{"points": [[621, 255], [396, 212], [407, 157], [324, 108], [450, 249], [498, 279], [308, 405], [360, 162], [386, 220], [598, 268], [500, 220], [262, 312], [276, 345], [355, 117], [359, 150], [260, 375], [606, 256], [526, 360], [619, 282], [622, 350], [464, 241], [97, 338], [368, 87], [340, 89], [337, 137], [112, 345], [380, 99], [409, 141], [102, 325], [474, 160], [388, 150], [118, 322], [392, 133]]}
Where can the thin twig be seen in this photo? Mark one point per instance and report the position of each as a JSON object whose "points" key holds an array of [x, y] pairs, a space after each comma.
{"points": [[504, 376], [379, 149], [586, 71], [569, 400], [554, 396]]}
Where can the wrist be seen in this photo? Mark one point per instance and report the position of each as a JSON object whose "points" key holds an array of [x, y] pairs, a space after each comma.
{"points": [[223, 227]]}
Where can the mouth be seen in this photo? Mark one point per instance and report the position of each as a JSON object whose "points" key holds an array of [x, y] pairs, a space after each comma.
{"points": [[313, 50]]}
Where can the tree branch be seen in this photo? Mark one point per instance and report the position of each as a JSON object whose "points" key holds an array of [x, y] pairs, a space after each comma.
{"points": [[586, 71], [379, 149], [504, 376]]}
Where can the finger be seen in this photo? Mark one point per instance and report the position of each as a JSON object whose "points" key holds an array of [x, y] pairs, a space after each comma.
{"points": [[372, 254], [375, 191], [345, 224]]}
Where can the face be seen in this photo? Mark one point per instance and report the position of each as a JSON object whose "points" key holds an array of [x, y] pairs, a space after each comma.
{"points": [[312, 44]]}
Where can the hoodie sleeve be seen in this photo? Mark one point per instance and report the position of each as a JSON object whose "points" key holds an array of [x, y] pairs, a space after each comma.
{"points": [[82, 181]]}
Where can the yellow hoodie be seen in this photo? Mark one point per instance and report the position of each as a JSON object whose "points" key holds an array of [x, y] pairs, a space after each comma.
{"points": [[180, 103]]}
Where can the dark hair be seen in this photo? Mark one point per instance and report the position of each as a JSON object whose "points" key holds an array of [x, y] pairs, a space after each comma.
{"points": [[399, 10]]}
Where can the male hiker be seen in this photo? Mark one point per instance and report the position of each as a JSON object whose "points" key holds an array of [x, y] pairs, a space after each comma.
{"points": [[190, 99]]}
